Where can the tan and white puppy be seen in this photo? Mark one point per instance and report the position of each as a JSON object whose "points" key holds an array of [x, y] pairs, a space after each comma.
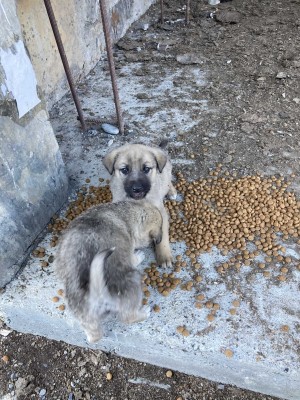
{"points": [[143, 172]]}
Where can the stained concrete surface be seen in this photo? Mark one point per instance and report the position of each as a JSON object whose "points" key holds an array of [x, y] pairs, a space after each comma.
{"points": [[264, 358]]}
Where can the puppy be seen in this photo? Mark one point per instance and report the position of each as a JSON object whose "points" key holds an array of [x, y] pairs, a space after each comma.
{"points": [[97, 263], [143, 172]]}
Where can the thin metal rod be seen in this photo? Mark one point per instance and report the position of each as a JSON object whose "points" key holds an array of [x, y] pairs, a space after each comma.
{"points": [[106, 30], [64, 61], [162, 11], [187, 12]]}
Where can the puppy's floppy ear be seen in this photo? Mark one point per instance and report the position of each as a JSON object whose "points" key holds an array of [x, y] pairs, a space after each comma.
{"points": [[109, 160], [161, 159]]}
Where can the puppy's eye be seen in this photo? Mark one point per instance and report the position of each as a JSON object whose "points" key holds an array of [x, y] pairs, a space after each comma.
{"points": [[124, 170], [146, 170]]}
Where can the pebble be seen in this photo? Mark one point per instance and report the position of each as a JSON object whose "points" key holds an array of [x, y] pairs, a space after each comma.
{"points": [[281, 75], [110, 129], [42, 392]]}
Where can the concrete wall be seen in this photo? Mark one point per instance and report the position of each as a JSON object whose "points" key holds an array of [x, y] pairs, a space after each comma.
{"points": [[33, 183], [80, 27]]}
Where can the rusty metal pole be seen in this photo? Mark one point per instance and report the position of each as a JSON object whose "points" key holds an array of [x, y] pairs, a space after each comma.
{"points": [[106, 30], [187, 12], [162, 11], [64, 61]]}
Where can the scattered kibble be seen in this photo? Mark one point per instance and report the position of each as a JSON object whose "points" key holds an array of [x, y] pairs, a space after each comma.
{"points": [[281, 278], [44, 264], [60, 292], [156, 308], [62, 307], [55, 299], [210, 317], [228, 353], [285, 328], [180, 329], [209, 304], [236, 303], [185, 332]]}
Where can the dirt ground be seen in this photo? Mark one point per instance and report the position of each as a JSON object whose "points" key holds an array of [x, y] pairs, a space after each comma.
{"points": [[250, 54]]}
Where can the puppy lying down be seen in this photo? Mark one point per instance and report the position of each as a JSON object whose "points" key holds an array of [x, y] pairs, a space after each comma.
{"points": [[96, 260]]}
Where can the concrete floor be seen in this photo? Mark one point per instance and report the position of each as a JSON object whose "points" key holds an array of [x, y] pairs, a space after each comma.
{"points": [[262, 358]]}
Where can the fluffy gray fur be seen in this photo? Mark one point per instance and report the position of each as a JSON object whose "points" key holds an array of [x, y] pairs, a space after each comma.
{"points": [[96, 260]]}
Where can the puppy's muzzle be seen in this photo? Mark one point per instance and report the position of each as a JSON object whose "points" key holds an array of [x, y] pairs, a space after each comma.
{"points": [[137, 189]]}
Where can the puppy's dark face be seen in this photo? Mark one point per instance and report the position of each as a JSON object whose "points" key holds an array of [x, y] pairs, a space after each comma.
{"points": [[136, 183], [135, 167]]}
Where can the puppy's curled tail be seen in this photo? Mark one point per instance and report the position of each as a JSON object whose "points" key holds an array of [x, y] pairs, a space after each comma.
{"points": [[97, 281]]}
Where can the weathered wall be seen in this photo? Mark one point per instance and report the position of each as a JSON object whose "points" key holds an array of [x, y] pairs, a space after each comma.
{"points": [[33, 183], [80, 27]]}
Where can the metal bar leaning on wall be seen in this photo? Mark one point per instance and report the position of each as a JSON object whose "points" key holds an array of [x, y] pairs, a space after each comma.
{"points": [[64, 61], [106, 30]]}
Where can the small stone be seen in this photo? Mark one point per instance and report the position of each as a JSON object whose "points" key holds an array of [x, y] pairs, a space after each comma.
{"points": [[281, 75], [169, 374], [42, 392], [189, 58], [109, 376], [110, 129]]}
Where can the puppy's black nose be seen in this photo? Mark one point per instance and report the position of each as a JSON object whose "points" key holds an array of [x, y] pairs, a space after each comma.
{"points": [[137, 188]]}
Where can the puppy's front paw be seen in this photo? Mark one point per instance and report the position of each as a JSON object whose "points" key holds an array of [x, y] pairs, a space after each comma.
{"points": [[164, 258]]}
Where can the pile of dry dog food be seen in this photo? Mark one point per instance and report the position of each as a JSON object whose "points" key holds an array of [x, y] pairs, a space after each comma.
{"points": [[242, 216]]}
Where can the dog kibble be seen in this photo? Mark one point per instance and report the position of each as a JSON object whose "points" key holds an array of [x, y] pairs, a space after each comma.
{"points": [[156, 308], [232, 311], [180, 329], [236, 303], [55, 299], [44, 264], [60, 292], [5, 358], [62, 307], [281, 278], [285, 328], [228, 353], [210, 317], [209, 304], [234, 211], [169, 374]]}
